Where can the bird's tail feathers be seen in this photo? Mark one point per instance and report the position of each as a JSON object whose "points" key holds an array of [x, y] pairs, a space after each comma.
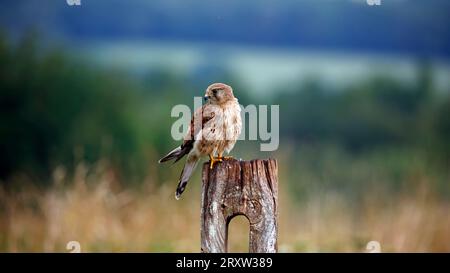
{"points": [[188, 169]]}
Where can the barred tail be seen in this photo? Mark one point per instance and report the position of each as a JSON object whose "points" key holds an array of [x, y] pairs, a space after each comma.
{"points": [[189, 167]]}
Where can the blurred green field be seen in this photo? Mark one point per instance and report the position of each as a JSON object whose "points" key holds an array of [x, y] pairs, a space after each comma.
{"points": [[80, 143]]}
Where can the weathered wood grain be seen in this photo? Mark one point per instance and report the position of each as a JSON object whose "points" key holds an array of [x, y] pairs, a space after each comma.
{"points": [[232, 188]]}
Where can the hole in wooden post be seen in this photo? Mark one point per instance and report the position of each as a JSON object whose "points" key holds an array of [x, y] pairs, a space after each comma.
{"points": [[238, 234]]}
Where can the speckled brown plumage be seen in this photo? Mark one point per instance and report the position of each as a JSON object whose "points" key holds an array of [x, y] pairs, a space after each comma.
{"points": [[213, 131]]}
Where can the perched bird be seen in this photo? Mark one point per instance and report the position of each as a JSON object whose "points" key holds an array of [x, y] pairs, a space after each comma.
{"points": [[214, 129]]}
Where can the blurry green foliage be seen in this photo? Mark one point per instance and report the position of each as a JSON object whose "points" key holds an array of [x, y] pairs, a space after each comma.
{"points": [[376, 113], [55, 110]]}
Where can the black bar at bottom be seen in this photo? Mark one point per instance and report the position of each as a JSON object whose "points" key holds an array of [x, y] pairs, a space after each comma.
{"points": [[198, 262]]}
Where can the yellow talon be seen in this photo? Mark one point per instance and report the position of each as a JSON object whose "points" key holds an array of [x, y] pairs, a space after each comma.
{"points": [[220, 157], [211, 162]]}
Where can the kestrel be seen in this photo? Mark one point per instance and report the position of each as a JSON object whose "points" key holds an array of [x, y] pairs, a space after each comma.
{"points": [[214, 129]]}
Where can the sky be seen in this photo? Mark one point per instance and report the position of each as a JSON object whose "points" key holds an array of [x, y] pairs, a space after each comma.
{"points": [[266, 43], [413, 27]]}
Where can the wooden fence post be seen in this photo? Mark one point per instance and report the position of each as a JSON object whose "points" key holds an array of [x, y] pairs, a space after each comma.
{"points": [[232, 188]]}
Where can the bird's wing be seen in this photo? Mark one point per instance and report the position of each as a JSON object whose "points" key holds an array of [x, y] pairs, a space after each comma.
{"points": [[201, 116]]}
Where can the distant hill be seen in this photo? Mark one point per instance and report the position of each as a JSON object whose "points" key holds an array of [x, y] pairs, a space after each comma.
{"points": [[415, 27]]}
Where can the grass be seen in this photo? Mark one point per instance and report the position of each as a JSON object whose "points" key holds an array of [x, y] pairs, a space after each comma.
{"points": [[92, 207]]}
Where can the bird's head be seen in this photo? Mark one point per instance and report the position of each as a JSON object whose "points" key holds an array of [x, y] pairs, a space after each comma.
{"points": [[219, 93]]}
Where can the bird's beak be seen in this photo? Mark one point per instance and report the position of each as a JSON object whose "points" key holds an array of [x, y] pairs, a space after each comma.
{"points": [[206, 98]]}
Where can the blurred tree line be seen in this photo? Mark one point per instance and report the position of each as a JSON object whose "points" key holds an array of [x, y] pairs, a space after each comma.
{"points": [[376, 113], [56, 109]]}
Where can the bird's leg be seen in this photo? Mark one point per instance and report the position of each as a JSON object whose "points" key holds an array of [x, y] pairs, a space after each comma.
{"points": [[221, 157], [212, 160]]}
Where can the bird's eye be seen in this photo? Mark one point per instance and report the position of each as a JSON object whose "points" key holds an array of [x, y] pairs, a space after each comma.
{"points": [[215, 91]]}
